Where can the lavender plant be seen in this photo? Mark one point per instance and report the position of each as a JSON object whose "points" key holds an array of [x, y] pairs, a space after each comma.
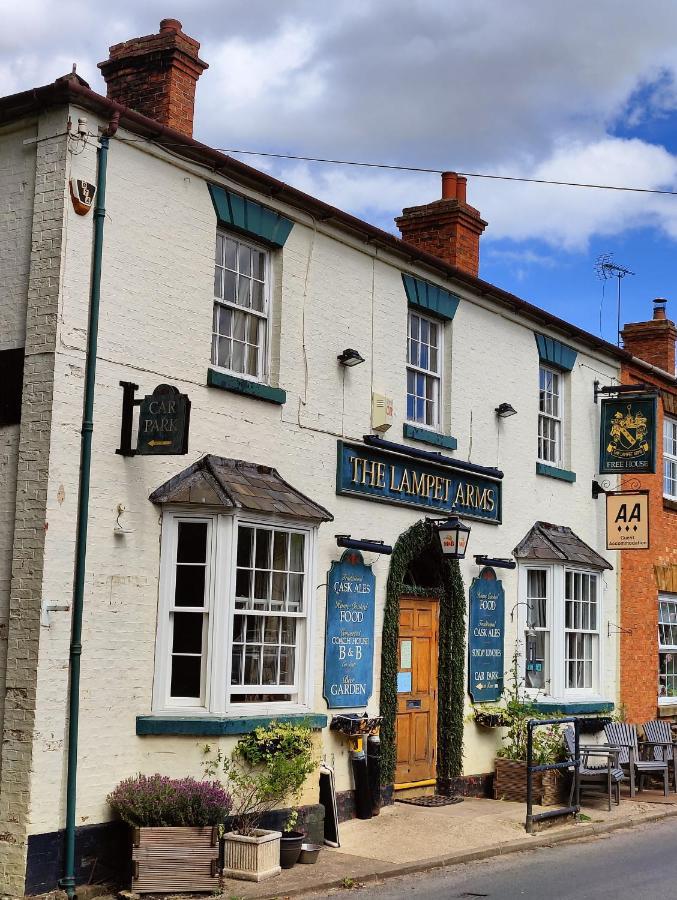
{"points": [[157, 800]]}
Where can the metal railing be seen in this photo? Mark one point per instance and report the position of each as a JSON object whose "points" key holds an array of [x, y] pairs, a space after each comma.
{"points": [[549, 767]]}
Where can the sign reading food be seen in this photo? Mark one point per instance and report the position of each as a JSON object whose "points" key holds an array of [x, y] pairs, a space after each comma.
{"points": [[485, 638], [349, 643], [628, 435]]}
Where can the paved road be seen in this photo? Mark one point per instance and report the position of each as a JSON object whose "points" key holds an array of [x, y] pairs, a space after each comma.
{"points": [[639, 864]]}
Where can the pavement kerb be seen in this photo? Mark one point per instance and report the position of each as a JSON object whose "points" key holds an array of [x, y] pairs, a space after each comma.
{"points": [[581, 832]]}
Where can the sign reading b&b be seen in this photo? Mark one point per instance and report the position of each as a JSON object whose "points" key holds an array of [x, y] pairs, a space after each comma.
{"points": [[628, 436]]}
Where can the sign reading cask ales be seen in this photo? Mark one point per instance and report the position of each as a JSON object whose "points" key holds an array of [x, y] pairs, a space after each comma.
{"points": [[349, 641], [486, 638], [628, 435], [164, 417], [627, 520]]}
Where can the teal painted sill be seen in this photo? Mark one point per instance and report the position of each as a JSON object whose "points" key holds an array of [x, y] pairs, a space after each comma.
{"points": [[583, 707], [429, 437], [246, 388], [553, 472], [208, 726]]}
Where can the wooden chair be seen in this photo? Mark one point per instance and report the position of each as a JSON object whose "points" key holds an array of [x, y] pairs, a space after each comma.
{"points": [[624, 737], [606, 776], [660, 735]]}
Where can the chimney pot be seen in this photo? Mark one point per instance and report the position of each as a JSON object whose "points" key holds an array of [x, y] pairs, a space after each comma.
{"points": [[659, 308], [461, 188], [449, 185], [171, 25]]}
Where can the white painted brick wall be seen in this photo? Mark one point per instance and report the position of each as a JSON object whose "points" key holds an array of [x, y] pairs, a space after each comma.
{"points": [[155, 327]]}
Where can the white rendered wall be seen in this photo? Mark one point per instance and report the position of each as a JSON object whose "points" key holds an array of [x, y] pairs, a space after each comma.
{"points": [[156, 312]]}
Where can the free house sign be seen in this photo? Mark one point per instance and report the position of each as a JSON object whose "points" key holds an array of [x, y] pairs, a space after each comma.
{"points": [[349, 642], [628, 436]]}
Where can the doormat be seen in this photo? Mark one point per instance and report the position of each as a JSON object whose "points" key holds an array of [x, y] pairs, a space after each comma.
{"points": [[430, 800]]}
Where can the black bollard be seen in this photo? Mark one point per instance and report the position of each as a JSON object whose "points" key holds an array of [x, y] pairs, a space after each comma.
{"points": [[374, 772], [358, 761]]}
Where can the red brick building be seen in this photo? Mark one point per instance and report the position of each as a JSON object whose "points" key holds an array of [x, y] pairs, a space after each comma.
{"points": [[649, 577]]}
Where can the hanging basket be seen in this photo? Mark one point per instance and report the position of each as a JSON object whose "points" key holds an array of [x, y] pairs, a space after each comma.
{"points": [[490, 719]]}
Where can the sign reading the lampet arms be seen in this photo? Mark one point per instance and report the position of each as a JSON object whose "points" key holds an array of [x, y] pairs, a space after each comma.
{"points": [[375, 474], [485, 638], [349, 642], [628, 435]]}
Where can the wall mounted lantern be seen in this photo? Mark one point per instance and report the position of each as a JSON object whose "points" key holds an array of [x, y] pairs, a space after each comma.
{"points": [[505, 410], [350, 358], [453, 535]]}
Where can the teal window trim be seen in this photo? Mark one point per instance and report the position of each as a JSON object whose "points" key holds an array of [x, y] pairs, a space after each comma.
{"points": [[433, 299], [582, 707], [554, 472], [245, 215], [210, 726], [429, 437], [555, 353], [245, 387]]}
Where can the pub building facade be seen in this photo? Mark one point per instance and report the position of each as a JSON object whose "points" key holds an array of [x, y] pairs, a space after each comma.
{"points": [[649, 576], [342, 382]]}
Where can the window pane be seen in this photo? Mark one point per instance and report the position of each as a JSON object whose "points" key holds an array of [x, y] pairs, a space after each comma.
{"points": [[270, 657], [186, 676], [231, 253], [287, 660], [279, 590], [229, 286], [257, 296], [192, 542], [295, 598], [263, 538], [190, 586], [243, 291], [237, 362], [239, 629], [245, 544], [261, 586], [271, 630], [280, 548], [243, 583], [252, 665], [236, 671], [187, 632], [296, 552], [245, 260]]}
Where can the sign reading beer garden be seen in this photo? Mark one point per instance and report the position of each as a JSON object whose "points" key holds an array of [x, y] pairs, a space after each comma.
{"points": [[628, 436], [486, 638], [375, 474], [349, 642]]}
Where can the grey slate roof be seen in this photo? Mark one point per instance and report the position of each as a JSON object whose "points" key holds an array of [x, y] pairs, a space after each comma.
{"points": [[236, 484], [557, 542]]}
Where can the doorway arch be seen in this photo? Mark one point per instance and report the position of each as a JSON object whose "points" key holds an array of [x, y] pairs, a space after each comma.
{"points": [[417, 557]]}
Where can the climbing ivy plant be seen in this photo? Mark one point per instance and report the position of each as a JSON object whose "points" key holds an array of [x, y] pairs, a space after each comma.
{"points": [[444, 582]]}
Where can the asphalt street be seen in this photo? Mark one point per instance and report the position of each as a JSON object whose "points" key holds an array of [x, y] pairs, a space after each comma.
{"points": [[638, 863]]}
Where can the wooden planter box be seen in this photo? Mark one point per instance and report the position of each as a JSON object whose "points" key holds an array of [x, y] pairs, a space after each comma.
{"points": [[252, 857], [175, 860], [510, 781], [555, 788]]}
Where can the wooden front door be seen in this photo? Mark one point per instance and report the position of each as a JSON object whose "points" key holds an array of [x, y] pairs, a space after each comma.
{"points": [[417, 690]]}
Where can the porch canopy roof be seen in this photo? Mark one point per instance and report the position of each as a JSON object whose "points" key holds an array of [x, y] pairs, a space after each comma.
{"points": [[559, 543], [238, 485]]}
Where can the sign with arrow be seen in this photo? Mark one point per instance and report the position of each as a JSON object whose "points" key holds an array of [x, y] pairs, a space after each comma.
{"points": [[164, 416], [485, 638], [627, 520]]}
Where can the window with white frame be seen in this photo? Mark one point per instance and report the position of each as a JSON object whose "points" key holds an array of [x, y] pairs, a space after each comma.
{"points": [[424, 370], [241, 304], [670, 458], [561, 628], [667, 648], [233, 613], [550, 404]]}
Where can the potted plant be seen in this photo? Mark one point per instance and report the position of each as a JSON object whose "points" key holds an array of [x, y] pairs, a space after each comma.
{"points": [[490, 715], [175, 824], [267, 768], [291, 841]]}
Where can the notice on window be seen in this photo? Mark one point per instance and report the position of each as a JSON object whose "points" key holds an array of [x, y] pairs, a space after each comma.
{"points": [[627, 520], [486, 638], [349, 642]]}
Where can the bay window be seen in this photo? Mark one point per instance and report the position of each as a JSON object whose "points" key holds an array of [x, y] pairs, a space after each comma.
{"points": [[560, 631], [233, 621]]}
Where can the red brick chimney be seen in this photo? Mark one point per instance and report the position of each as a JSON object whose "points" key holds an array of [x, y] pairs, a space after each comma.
{"points": [[156, 75], [447, 228], [653, 341]]}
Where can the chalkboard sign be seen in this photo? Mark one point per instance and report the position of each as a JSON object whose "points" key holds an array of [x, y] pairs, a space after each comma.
{"points": [[349, 642], [485, 638]]}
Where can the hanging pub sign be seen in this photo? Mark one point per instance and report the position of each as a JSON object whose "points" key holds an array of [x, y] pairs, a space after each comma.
{"points": [[164, 420], [627, 520], [628, 435], [82, 195], [485, 638], [349, 641], [375, 474]]}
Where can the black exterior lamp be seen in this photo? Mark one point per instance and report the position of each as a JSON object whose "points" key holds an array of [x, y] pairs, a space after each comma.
{"points": [[453, 535], [350, 357], [504, 410]]}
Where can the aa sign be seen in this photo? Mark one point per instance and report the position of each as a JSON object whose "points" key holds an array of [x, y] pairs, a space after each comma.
{"points": [[627, 521]]}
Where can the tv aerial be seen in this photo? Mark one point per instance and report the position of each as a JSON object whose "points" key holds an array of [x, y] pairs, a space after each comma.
{"points": [[606, 268]]}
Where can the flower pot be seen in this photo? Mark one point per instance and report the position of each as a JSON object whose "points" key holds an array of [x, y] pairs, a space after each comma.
{"points": [[490, 720], [290, 848], [176, 860], [555, 788], [510, 781], [251, 857]]}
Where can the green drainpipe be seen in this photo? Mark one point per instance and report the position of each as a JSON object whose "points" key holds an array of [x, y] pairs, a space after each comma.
{"points": [[68, 880]]}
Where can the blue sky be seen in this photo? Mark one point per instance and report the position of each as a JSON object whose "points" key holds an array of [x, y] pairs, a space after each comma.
{"points": [[504, 88]]}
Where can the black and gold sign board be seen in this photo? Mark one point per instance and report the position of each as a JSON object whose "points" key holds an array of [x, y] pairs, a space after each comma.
{"points": [[628, 436], [164, 420]]}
